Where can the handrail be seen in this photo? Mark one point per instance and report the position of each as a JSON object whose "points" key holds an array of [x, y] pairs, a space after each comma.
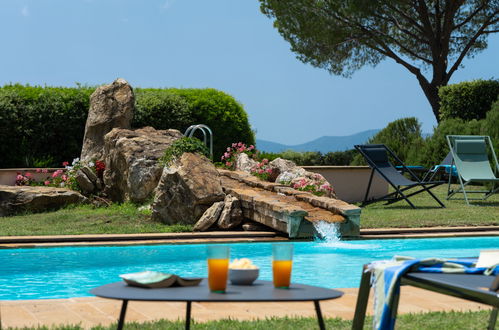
{"points": [[189, 132]]}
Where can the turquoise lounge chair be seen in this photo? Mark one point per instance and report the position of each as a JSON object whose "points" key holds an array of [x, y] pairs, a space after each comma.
{"points": [[470, 155]]}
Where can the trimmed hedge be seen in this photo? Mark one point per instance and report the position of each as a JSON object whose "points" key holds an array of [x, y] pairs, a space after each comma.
{"points": [[44, 126], [221, 112], [41, 126], [468, 100]]}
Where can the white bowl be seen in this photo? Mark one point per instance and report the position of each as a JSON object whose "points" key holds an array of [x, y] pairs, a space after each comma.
{"points": [[243, 276]]}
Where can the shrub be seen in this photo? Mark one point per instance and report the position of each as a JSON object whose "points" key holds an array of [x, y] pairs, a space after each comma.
{"points": [[185, 144], [313, 158], [468, 100], [43, 126], [491, 125], [402, 136], [222, 113], [160, 109]]}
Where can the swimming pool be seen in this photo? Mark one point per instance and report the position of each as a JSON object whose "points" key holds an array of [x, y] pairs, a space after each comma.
{"points": [[66, 272]]}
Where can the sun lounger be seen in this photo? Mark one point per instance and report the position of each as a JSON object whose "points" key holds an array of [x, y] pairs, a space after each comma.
{"points": [[377, 156], [471, 156]]}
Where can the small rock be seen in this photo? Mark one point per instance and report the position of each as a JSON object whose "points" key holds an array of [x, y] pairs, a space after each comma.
{"points": [[84, 182], [244, 163], [209, 217], [232, 215]]}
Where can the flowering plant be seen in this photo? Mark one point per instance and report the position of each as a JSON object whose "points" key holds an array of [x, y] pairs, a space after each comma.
{"points": [[58, 178], [230, 156], [263, 171], [316, 184]]}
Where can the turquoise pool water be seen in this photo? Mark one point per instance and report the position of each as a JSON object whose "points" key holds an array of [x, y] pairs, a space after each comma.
{"points": [[72, 271]]}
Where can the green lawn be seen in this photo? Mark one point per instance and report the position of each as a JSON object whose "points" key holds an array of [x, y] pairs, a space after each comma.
{"points": [[429, 213], [86, 219], [126, 218], [435, 320]]}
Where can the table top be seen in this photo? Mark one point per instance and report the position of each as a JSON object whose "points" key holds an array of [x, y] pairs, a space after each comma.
{"points": [[474, 282], [258, 292]]}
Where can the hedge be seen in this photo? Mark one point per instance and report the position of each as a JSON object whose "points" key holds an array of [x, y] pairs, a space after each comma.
{"points": [[44, 126], [468, 100]]}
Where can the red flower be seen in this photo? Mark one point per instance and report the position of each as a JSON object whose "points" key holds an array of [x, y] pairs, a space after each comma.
{"points": [[65, 164]]}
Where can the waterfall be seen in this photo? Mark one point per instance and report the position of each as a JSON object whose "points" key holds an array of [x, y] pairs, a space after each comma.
{"points": [[327, 232]]}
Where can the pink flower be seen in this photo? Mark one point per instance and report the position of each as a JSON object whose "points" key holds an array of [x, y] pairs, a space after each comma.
{"points": [[64, 177], [233, 146], [45, 170], [228, 148], [228, 164], [269, 170], [240, 144], [251, 147], [38, 170], [260, 171], [19, 177], [55, 174], [65, 164], [226, 155], [28, 174], [46, 183]]}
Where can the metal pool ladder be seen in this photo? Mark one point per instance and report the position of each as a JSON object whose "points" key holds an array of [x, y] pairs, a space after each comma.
{"points": [[207, 133]]}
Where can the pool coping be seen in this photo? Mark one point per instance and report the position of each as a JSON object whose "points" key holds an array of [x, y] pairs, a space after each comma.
{"points": [[230, 237]]}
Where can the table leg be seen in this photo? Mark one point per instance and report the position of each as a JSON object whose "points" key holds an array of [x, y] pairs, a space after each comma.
{"points": [[188, 316], [121, 321], [319, 315]]}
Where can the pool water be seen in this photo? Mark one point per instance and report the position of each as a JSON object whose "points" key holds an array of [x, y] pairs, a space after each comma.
{"points": [[72, 271]]}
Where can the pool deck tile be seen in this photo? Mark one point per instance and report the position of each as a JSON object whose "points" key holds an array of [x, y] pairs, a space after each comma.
{"points": [[92, 311]]}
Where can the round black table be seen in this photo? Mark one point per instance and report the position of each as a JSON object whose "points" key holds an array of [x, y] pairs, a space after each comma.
{"points": [[260, 291]]}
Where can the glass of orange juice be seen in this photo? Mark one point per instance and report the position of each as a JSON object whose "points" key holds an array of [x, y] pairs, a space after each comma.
{"points": [[282, 262], [218, 267]]}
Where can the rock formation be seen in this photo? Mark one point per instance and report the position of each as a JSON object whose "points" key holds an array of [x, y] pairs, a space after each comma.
{"points": [[111, 106], [15, 199], [131, 157], [187, 188], [210, 217], [244, 163], [232, 215]]}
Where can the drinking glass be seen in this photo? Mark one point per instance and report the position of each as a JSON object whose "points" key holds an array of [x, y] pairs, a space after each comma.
{"points": [[218, 267], [282, 262]]}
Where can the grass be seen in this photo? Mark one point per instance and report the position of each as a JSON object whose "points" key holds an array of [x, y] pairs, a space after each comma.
{"points": [[429, 213], [434, 320], [127, 218], [85, 219]]}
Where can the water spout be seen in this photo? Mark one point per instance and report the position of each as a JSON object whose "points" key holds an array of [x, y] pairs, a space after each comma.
{"points": [[327, 232]]}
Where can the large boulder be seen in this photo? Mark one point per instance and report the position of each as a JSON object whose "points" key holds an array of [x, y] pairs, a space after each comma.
{"points": [[131, 158], [111, 106], [15, 199], [188, 187]]}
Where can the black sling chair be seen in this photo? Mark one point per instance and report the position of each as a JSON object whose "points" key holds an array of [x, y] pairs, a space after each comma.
{"points": [[376, 156]]}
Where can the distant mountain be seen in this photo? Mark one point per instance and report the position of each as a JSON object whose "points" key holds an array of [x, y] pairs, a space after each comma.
{"points": [[323, 144]]}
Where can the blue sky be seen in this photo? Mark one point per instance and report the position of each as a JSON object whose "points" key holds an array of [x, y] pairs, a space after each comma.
{"points": [[224, 44]]}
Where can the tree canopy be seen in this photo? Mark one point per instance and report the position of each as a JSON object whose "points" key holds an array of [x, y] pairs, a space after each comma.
{"points": [[430, 38]]}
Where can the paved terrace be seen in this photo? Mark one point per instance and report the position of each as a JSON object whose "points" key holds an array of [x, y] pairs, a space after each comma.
{"points": [[91, 311]]}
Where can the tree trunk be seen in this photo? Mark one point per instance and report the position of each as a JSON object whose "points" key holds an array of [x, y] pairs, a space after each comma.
{"points": [[431, 92]]}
